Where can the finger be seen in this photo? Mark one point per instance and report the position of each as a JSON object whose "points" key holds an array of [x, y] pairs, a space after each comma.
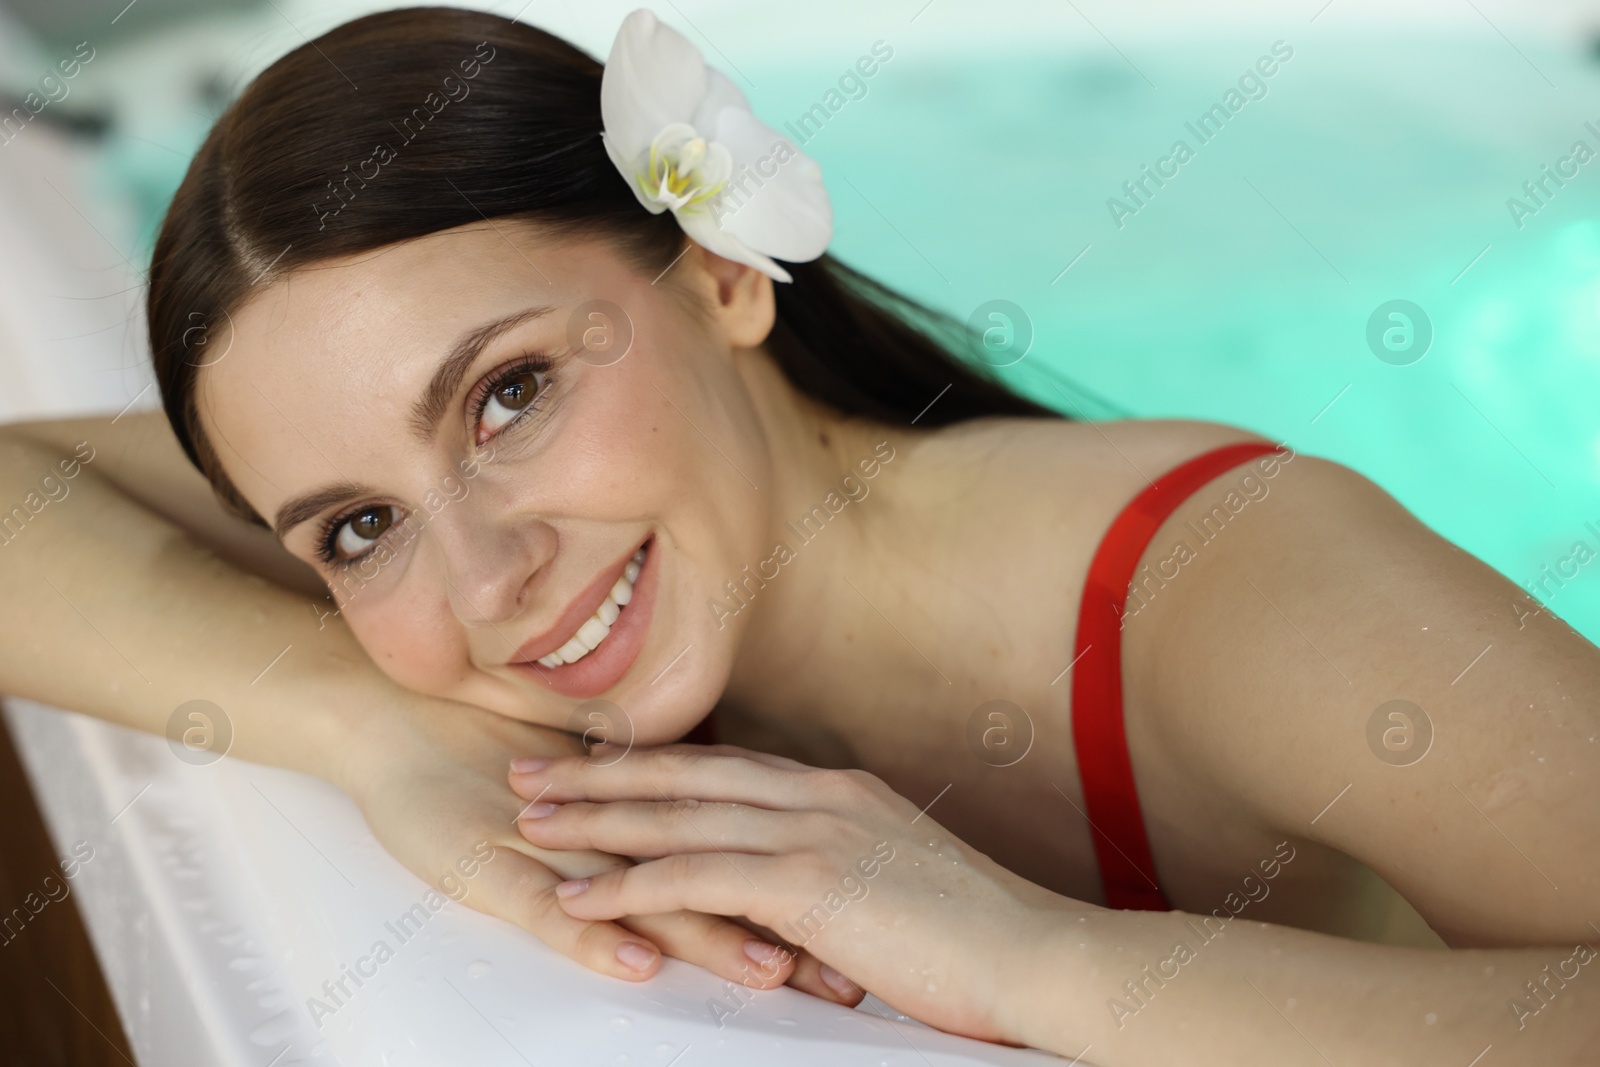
{"points": [[725, 948], [722, 946], [719, 883], [650, 829], [718, 944], [691, 772], [652, 774], [809, 971], [838, 986], [522, 890], [767, 758]]}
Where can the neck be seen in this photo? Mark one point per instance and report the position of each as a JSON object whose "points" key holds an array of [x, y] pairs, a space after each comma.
{"points": [[830, 622]]}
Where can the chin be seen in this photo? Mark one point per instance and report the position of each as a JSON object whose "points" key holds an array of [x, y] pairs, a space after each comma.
{"points": [[674, 706], [678, 681]]}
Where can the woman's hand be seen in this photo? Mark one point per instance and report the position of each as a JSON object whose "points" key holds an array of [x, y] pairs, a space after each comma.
{"points": [[431, 783], [830, 860]]}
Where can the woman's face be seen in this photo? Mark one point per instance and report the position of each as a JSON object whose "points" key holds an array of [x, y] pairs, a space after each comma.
{"points": [[443, 428]]}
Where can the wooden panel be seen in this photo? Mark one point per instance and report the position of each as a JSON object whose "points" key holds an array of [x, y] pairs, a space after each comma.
{"points": [[54, 1004]]}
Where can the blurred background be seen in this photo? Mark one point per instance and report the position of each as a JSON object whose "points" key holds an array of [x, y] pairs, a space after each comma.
{"points": [[1369, 260]]}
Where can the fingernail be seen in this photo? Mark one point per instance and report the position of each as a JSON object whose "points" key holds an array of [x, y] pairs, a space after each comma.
{"points": [[837, 982], [634, 955], [529, 764], [760, 951], [538, 810], [573, 888]]}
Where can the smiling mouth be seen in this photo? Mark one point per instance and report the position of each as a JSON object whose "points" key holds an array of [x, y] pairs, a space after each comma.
{"points": [[597, 627]]}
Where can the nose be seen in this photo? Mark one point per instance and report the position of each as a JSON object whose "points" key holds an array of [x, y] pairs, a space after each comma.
{"points": [[491, 557]]}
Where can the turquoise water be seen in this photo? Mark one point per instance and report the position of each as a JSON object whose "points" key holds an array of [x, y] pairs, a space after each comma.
{"points": [[1241, 290]]}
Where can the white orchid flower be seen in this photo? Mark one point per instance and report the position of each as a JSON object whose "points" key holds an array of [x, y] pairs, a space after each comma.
{"points": [[684, 137]]}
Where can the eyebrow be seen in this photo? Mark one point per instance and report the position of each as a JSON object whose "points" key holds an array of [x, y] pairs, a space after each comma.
{"points": [[312, 504], [425, 414], [424, 419]]}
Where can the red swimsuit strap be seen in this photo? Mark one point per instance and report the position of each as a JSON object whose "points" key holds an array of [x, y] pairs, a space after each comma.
{"points": [[1126, 868]]}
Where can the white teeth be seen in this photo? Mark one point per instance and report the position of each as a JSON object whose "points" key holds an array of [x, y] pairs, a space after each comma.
{"points": [[592, 632], [597, 627]]}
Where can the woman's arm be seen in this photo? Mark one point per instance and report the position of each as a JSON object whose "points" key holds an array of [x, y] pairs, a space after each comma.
{"points": [[117, 600], [1123, 989], [109, 608], [1269, 668], [137, 454], [1261, 679]]}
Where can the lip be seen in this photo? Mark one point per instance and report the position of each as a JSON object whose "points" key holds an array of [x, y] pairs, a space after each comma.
{"points": [[604, 667]]}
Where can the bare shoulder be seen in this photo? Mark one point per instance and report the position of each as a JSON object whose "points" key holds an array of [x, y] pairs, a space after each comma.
{"points": [[1046, 489], [1105, 463], [1157, 445], [1306, 647]]}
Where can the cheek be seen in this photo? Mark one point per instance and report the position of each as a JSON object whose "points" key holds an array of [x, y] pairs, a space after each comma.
{"points": [[668, 434], [689, 453], [414, 639]]}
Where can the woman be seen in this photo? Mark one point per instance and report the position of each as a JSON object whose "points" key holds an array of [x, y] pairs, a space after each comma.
{"points": [[541, 449]]}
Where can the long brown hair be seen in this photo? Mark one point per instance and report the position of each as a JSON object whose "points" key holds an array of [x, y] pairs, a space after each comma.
{"points": [[462, 116]]}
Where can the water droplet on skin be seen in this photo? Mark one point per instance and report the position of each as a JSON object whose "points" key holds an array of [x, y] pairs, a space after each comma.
{"points": [[931, 987], [479, 968], [620, 1024]]}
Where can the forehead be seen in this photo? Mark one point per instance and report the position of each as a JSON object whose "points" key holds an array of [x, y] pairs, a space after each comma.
{"points": [[325, 364]]}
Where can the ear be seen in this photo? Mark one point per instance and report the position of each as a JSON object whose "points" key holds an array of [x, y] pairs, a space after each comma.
{"points": [[740, 299]]}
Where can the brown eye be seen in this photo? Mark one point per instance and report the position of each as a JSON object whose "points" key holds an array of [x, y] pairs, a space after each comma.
{"points": [[360, 530], [516, 393], [509, 398]]}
